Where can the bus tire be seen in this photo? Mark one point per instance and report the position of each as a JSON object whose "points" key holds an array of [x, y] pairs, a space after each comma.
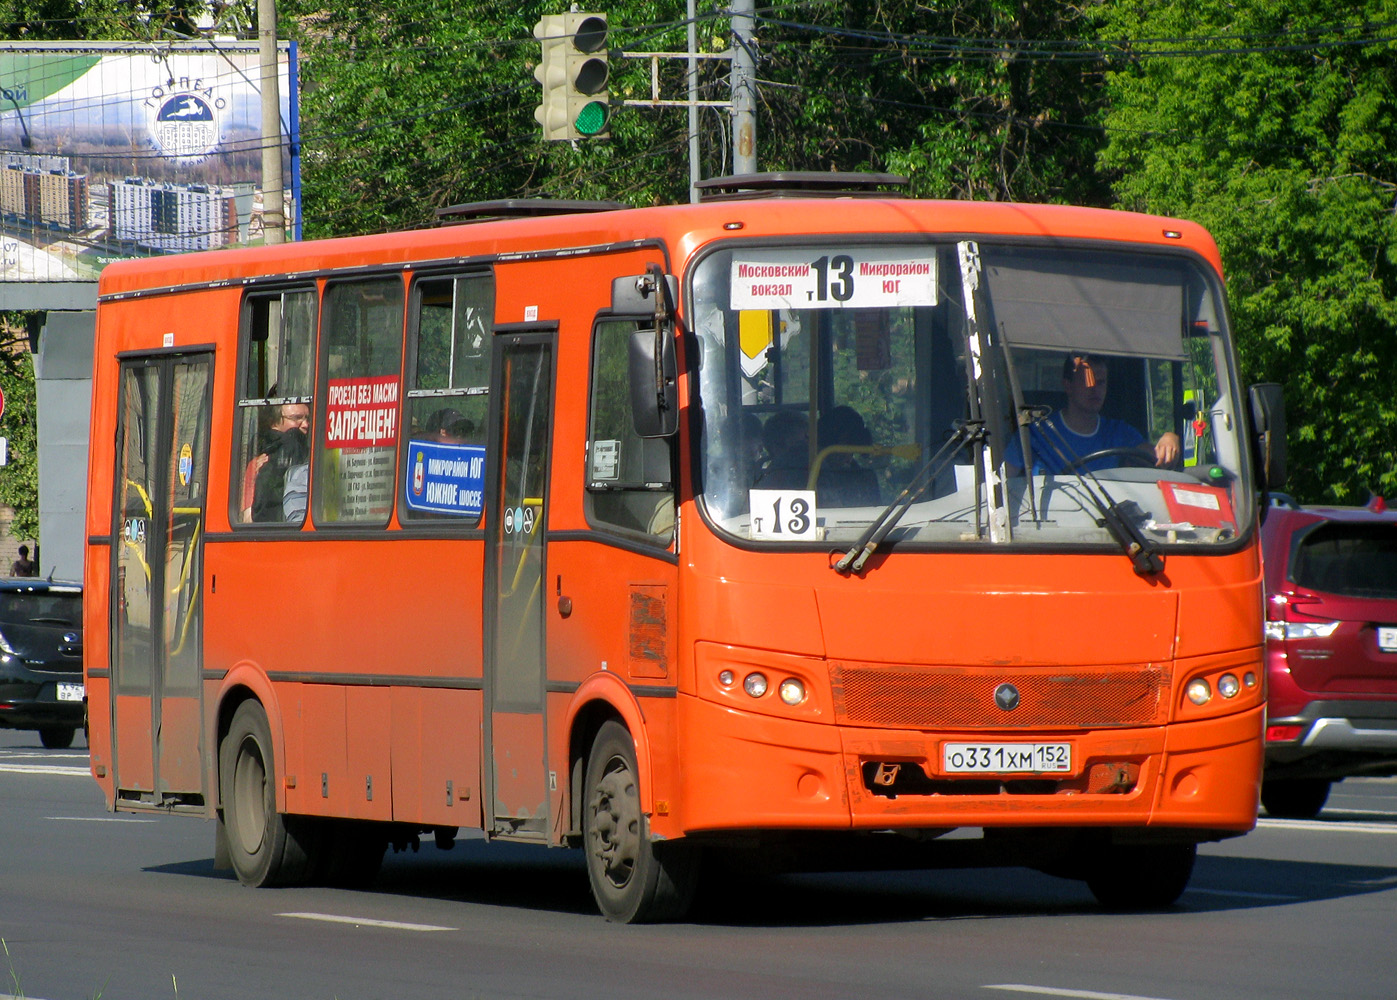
{"points": [[265, 847], [1141, 876], [634, 879]]}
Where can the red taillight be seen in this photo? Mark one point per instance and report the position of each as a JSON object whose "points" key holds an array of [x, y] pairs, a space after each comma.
{"points": [[1283, 734]]}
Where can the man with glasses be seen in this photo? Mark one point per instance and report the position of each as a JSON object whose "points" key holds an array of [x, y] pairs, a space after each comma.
{"points": [[283, 444]]}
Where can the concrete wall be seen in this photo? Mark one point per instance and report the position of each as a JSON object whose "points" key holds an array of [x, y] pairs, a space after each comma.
{"points": [[63, 382]]}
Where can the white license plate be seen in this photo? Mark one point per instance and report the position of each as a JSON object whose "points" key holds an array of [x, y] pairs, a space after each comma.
{"points": [[71, 692], [1387, 639], [1000, 758]]}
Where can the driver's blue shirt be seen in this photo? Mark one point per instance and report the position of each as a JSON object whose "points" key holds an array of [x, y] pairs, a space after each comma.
{"points": [[1046, 444]]}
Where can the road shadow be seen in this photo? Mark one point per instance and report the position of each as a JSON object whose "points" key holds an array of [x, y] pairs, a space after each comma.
{"points": [[555, 880]]}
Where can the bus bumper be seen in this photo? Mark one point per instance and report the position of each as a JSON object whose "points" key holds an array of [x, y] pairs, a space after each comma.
{"points": [[746, 771]]}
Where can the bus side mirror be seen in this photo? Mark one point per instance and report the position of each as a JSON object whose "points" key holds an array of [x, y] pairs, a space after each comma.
{"points": [[636, 294], [654, 383], [1268, 433]]}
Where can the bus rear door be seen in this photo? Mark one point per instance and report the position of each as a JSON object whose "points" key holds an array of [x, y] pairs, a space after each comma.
{"points": [[157, 599], [517, 772]]}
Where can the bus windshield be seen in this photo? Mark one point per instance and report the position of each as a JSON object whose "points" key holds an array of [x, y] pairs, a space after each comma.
{"points": [[984, 392]]}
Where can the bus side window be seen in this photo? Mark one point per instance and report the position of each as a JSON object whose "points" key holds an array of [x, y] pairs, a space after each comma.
{"points": [[273, 417], [448, 386], [629, 478], [360, 371]]}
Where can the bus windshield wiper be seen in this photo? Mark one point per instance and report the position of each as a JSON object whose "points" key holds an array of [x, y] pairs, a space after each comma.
{"points": [[853, 561], [1120, 518]]}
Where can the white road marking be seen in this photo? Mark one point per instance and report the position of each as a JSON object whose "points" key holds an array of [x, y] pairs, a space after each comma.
{"points": [[62, 770], [394, 925], [1325, 826], [1052, 991], [46, 755], [96, 819]]}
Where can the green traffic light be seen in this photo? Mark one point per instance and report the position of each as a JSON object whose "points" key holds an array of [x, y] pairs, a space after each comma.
{"points": [[591, 119]]}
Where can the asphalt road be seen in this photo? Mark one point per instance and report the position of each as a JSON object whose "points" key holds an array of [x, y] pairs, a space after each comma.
{"points": [[127, 907]]}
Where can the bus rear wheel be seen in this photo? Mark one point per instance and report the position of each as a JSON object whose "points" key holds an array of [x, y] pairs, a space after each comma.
{"points": [[265, 847], [1141, 876], [634, 879]]}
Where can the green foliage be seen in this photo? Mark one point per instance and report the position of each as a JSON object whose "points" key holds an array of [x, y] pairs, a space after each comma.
{"points": [[1286, 149], [97, 20], [408, 107], [967, 99], [19, 478]]}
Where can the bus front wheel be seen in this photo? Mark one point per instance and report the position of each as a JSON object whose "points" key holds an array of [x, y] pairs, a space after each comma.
{"points": [[1141, 876], [634, 879], [265, 847]]}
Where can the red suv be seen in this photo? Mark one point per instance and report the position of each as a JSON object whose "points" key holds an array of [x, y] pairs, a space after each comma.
{"points": [[1331, 650]]}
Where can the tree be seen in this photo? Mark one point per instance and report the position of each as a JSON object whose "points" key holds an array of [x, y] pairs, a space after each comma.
{"points": [[98, 20], [408, 107], [1274, 124], [19, 478]]}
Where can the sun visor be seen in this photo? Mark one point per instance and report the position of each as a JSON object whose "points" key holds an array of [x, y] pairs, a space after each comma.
{"points": [[1087, 303]]}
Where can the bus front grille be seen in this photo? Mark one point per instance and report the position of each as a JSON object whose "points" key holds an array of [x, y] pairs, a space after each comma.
{"points": [[965, 698]]}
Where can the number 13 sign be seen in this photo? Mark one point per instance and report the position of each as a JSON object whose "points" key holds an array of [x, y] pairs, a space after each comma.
{"points": [[783, 515]]}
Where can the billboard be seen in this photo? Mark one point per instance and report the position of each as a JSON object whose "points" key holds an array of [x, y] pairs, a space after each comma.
{"points": [[111, 150]]}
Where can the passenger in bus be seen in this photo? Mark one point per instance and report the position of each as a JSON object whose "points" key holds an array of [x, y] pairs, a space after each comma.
{"points": [[296, 493], [1082, 427], [841, 481], [289, 417], [283, 450], [786, 438], [448, 426]]}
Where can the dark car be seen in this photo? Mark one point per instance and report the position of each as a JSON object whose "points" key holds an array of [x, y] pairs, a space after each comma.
{"points": [[1331, 651], [41, 682]]}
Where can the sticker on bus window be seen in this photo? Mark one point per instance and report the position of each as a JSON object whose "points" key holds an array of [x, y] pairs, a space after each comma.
{"points": [[362, 412], [606, 459], [783, 515], [446, 478], [834, 278], [1198, 505]]}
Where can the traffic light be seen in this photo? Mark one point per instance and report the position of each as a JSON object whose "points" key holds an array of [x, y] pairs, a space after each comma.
{"points": [[574, 72]]}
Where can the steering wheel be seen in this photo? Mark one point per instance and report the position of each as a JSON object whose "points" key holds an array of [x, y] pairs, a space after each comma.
{"points": [[1140, 455]]}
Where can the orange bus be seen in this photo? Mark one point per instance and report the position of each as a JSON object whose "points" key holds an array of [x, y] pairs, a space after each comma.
{"points": [[797, 523]]}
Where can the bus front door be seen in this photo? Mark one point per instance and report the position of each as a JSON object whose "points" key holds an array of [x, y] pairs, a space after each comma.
{"points": [[157, 598], [516, 771]]}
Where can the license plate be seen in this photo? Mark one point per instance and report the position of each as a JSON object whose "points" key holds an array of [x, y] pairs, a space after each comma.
{"points": [[1387, 639], [70, 692], [999, 758]]}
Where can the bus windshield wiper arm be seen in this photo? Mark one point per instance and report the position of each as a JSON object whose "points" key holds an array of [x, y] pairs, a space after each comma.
{"points": [[1116, 516], [853, 561]]}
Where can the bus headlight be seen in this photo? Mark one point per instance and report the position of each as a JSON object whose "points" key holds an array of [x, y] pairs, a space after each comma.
{"points": [[754, 684], [1228, 686], [792, 691], [1199, 691]]}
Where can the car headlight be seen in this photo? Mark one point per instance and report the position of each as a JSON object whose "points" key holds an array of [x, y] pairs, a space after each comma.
{"points": [[5, 646]]}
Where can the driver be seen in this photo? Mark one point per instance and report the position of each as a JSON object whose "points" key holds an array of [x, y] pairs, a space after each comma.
{"points": [[1083, 428]]}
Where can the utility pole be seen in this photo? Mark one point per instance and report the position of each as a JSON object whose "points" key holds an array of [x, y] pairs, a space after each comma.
{"points": [[273, 215], [691, 9], [744, 88]]}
